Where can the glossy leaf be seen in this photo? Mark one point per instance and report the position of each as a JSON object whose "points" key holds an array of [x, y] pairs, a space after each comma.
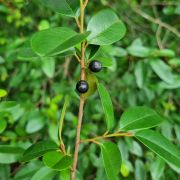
{"points": [[107, 106], [57, 161], [106, 61], [106, 28], [38, 150], [111, 160], [64, 7], [160, 145], [91, 51], [162, 70], [55, 41], [43, 174], [136, 118]]}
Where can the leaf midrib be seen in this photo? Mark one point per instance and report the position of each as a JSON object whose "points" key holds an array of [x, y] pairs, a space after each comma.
{"points": [[98, 35], [108, 160], [149, 115], [176, 157]]}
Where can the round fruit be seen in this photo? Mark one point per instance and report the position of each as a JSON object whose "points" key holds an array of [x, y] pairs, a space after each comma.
{"points": [[82, 86], [95, 66]]}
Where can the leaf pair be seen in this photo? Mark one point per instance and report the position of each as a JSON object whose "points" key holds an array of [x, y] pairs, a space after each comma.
{"points": [[135, 118], [51, 157], [141, 118], [55, 41]]}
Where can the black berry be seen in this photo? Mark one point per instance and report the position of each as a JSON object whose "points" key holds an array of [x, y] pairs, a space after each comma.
{"points": [[95, 66], [82, 86]]}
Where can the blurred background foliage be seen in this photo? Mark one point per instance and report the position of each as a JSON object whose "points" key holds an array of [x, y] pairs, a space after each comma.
{"points": [[145, 70]]}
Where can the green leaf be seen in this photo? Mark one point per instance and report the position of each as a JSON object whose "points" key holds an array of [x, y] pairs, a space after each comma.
{"points": [[6, 158], [43, 174], [48, 66], [125, 171], [54, 41], [13, 108], [27, 170], [162, 70], [106, 28], [63, 112], [175, 62], [91, 51], [3, 93], [1, 60], [38, 150], [11, 149], [138, 50], [157, 168], [8, 106], [27, 54], [65, 174], [160, 145], [114, 51], [174, 85], [64, 7], [106, 61], [164, 53], [139, 72], [10, 154], [140, 172], [4, 172], [3, 123], [107, 106], [111, 159], [136, 118], [57, 161], [35, 124]]}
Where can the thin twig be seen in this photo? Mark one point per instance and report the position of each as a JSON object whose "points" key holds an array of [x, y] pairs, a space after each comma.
{"points": [[158, 37], [82, 100], [156, 21], [104, 136], [85, 4], [66, 66], [77, 22], [78, 131], [77, 58]]}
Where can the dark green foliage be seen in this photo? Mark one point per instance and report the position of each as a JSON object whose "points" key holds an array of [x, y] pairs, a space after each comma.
{"points": [[137, 44]]}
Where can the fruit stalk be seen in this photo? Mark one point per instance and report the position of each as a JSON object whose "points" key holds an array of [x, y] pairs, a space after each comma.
{"points": [[82, 100]]}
